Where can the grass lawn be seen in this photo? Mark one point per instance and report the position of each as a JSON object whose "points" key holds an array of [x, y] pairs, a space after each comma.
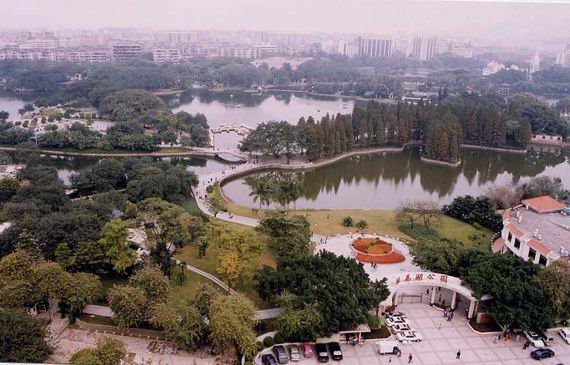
{"points": [[189, 288], [209, 263], [329, 222]]}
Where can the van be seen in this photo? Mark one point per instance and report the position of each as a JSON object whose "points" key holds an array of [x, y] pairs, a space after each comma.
{"points": [[387, 347]]}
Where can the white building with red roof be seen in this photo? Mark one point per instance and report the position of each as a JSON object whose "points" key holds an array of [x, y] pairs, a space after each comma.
{"points": [[537, 230]]}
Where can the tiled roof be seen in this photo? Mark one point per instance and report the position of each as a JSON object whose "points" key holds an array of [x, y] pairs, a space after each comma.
{"points": [[543, 204], [514, 230], [539, 247]]}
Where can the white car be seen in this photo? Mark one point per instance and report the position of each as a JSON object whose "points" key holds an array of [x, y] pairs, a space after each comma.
{"points": [[534, 338], [396, 320], [410, 336], [394, 314], [400, 328], [565, 334]]}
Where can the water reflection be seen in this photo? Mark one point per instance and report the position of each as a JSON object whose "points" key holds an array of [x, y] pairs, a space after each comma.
{"points": [[382, 181]]}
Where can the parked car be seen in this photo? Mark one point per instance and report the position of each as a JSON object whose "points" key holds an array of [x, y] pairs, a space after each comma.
{"points": [[534, 338], [394, 314], [565, 334], [542, 353], [336, 352], [396, 320], [280, 354], [307, 350], [387, 347], [268, 359], [410, 336], [400, 328], [546, 338], [294, 353], [322, 353]]}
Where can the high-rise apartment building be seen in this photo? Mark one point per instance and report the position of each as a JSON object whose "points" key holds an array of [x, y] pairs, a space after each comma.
{"points": [[563, 57], [423, 49], [126, 51], [375, 47], [167, 55]]}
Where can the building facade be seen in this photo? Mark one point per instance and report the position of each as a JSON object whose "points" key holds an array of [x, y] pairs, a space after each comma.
{"points": [[126, 52], [374, 47], [423, 49], [538, 231]]}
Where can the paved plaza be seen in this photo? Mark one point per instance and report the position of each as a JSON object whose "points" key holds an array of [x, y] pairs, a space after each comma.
{"points": [[440, 345]]}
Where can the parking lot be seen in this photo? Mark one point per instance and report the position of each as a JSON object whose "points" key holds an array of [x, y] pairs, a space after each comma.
{"points": [[441, 343]]}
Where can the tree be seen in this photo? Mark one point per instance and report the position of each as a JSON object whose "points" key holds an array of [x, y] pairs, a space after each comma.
{"points": [[261, 191], [413, 210], [107, 351], [8, 188], [126, 105], [114, 241], [555, 279], [338, 286], [232, 318], [182, 323], [474, 210], [519, 300], [298, 322], [290, 236], [153, 282], [23, 338], [129, 305], [441, 256], [238, 252], [542, 185], [503, 196]]}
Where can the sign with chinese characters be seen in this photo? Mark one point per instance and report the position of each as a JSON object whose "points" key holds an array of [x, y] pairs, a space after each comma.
{"points": [[423, 277]]}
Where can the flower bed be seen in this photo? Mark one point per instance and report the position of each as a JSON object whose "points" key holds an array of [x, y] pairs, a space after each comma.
{"points": [[376, 251]]}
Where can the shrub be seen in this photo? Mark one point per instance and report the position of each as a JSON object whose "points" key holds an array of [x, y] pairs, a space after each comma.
{"points": [[279, 338], [477, 226], [209, 189], [361, 224], [347, 222], [259, 345], [373, 321], [268, 341]]}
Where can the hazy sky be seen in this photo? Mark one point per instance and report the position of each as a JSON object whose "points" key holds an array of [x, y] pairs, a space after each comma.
{"points": [[499, 19]]}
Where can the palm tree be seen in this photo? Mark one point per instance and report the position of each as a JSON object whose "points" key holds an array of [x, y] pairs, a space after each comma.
{"points": [[289, 190], [261, 190]]}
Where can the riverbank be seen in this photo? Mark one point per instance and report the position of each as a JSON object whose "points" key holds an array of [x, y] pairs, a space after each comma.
{"points": [[440, 163], [351, 97], [163, 152], [495, 149]]}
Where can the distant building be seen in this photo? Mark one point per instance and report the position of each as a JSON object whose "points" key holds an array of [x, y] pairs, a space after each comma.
{"points": [[39, 44], [89, 56], [126, 51], [348, 48], [167, 55], [538, 230], [374, 47], [534, 63], [423, 49], [492, 68], [563, 57], [462, 49], [546, 139]]}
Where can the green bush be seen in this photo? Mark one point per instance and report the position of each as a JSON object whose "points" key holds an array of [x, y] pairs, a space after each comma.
{"points": [[477, 226], [259, 345], [268, 341], [209, 189], [279, 338], [347, 222], [373, 321], [361, 224]]}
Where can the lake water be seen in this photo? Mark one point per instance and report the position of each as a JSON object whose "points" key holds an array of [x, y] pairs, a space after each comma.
{"points": [[382, 181], [11, 105]]}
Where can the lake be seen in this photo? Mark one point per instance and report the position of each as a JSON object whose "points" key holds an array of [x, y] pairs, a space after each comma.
{"points": [[11, 105], [382, 181]]}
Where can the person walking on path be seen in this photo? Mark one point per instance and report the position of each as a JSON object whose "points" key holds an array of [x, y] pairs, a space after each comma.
{"points": [[458, 355], [410, 359]]}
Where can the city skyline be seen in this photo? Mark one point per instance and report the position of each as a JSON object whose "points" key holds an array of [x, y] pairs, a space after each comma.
{"points": [[532, 23]]}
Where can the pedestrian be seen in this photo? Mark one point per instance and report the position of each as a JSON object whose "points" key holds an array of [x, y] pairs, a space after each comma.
{"points": [[458, 355], [399, 354], [410, 359], [389, 360], [445, 312], [439, 326]]}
